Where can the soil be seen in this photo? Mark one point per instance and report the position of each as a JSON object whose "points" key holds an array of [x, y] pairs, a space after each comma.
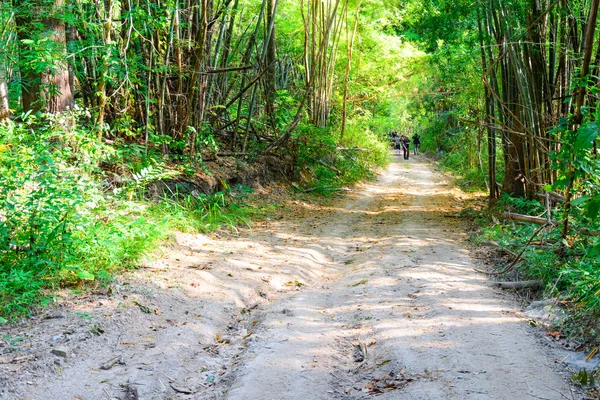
{"points": [[372, 295]]}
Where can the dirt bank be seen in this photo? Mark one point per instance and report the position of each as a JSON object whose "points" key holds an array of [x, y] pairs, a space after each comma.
{"points": [[374, 295]]}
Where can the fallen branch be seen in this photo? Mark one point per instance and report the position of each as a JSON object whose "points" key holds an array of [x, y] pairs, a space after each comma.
{"points": [[555, 197], [496, 245], [588, 232], [516, 260], [112, 362], [520, 284], [231, 154], [544, 221], [528, 218]]}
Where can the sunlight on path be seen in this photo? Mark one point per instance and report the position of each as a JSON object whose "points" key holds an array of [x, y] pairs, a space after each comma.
{"points": [[407, 294]]}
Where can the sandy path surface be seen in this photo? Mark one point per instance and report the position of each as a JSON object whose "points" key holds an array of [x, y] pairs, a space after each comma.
{"points": [[432, 327], [375, 295]]}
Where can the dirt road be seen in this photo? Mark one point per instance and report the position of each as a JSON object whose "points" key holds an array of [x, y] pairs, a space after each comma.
{"points": [[375, 295]]}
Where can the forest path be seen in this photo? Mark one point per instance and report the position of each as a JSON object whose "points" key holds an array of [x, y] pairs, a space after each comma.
{"points": [[288, 310], [406, 295]]}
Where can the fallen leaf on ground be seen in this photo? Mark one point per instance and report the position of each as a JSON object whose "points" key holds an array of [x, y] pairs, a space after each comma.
{"points": [[181, 389], [555, 335], [221, 340], [361, 282], [142, 307], [295, 283]]}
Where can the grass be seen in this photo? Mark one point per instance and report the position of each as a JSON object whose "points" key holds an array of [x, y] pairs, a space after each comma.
{"points": [[120, 235], [61, 225], [567, 267]]}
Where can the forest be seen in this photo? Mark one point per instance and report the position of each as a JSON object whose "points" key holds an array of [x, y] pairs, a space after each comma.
{"points": [[123, 120]]}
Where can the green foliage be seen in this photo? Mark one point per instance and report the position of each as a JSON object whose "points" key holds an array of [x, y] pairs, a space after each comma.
{"points": [[331, 163], [585, 378], [58, 225], [568, 267], [43, 207]]}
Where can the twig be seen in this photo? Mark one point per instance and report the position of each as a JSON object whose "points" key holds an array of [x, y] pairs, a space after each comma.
{"points": [[494, 244], [516, 260]]}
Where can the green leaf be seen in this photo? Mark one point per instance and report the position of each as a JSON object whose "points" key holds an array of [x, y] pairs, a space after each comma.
{"points": [[85, 275], [586, 134], [3, 321], [580, 200], [593, 208]]}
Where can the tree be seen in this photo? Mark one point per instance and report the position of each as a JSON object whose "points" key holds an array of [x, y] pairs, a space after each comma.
{"points": [[5, 14], [44, 71]]}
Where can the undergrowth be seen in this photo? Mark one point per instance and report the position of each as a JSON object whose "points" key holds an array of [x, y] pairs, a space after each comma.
{"points": [[328, 163], [568, 267], [75, 211], [64, 223]]}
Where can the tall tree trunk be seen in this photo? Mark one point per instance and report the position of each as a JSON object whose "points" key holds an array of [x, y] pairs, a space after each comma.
{"points": [[4, 110], [350, 43], [48, 90], [101, 90], [489, 111], [270, 63]]}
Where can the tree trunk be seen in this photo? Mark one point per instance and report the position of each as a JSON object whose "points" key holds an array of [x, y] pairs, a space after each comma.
{"points": [[270, 61], [48, 90], [489, 111], [350, 41], [4, 110]]}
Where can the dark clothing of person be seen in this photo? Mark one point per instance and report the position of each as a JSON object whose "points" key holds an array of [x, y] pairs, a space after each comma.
{"points": [[405, 147], [416, 143]]}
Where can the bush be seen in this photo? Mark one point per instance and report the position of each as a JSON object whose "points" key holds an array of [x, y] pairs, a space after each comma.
{"points": [[332, 163], [59, 225], [45, 178]]}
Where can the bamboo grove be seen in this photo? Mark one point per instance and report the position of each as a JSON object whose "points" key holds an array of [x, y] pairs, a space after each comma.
{"points": [[536, 72], [512, 101], [175, 72], [537, 62]]}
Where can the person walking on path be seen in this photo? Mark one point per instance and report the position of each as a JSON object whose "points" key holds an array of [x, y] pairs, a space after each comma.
{"points": [[416, 139], [405, 146], [397, 143]]}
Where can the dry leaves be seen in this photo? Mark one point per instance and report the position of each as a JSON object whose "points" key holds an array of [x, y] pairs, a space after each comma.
{"points": [[386, 383]]}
